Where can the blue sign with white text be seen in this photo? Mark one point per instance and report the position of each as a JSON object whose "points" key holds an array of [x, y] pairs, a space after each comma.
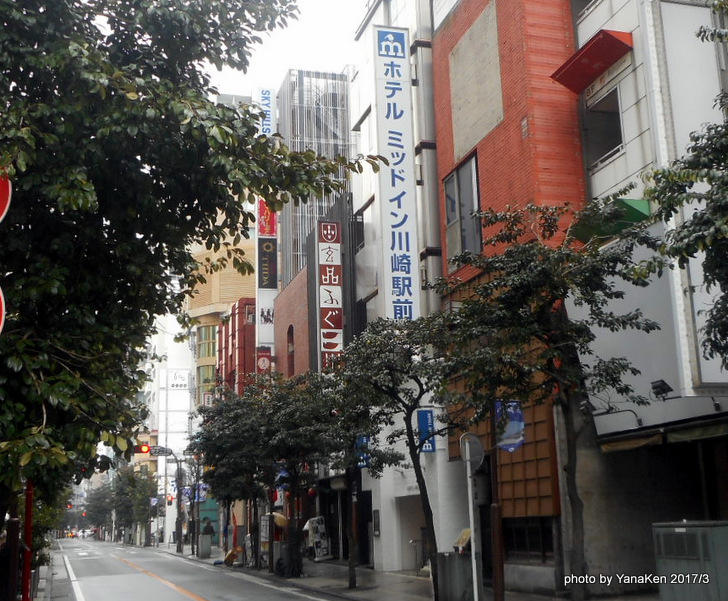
{"points": [[426, 429], [391, 43]]}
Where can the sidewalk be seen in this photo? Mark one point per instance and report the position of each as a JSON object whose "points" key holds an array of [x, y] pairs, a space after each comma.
{"points": [[331, 578]]}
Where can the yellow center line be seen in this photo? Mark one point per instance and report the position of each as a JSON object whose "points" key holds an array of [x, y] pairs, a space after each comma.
{"points": [[164, 581]]}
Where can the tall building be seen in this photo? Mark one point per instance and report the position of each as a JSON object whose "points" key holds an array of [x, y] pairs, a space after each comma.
{"points": [[552, 102], [313, 114], [167, 394], [210, 302], [395, 248]]}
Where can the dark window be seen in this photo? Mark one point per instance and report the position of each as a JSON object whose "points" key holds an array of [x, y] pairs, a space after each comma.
{"points": [[528, 538], [290, 355], [578, 6], [461, 201], [602, 130], [357, 232]]}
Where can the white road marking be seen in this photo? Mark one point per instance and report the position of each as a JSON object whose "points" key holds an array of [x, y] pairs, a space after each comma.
{"points": [[74, 580]]}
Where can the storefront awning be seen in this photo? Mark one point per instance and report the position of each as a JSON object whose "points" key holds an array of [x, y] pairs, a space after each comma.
{"points": [[591, 60], [698, 433], [631, 443], [630, 211]]}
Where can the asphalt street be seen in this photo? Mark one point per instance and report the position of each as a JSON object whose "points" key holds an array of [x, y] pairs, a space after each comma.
{"points": [[98, 571]]}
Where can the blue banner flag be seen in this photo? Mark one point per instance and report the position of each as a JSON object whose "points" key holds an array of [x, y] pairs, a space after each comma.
{"points": [[426, 428]]}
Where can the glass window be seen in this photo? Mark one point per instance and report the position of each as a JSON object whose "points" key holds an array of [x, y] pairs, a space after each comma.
{"points": [[528, 538], [602, 130], [205, 383], [461, 202], [206, 341]]}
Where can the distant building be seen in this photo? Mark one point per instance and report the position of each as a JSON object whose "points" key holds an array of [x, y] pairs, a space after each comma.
{"points": [[313, 114]]}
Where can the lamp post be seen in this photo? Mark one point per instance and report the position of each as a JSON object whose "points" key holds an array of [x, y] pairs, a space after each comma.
{"points": [[178, 519]]}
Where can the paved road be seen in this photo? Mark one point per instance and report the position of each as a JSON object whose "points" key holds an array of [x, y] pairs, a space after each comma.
{"points": [[107, 572]]}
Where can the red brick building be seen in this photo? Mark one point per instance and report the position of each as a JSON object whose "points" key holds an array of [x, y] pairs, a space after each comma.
{"points": [[292, 327], [507, 134], [236, 345]]}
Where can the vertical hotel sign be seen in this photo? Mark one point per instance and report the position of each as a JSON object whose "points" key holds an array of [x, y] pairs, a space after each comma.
{"points": [[330, 292], [267, 250], [397, 189]]}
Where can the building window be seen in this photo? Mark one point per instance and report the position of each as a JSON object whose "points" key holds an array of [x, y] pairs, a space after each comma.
{"points": [[528, 539], [581, 7], [250, 314], [602, 130], [205, 384], [290, 348], [357, 231], [206, 341], [461, 201]]}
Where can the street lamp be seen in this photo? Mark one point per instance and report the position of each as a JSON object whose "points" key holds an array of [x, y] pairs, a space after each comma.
{"points": [[178, 519]]}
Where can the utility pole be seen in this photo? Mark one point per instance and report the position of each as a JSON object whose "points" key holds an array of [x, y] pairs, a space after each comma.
{"points": [[496, 533], [178, 519]]}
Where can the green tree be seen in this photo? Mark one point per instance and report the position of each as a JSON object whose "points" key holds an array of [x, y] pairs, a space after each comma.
{"points": [[353, 438], [233, 446], [392, 365], [99, 505], [131, 497], [511, 337], [119, 162], [295, 425], [693, 192]]}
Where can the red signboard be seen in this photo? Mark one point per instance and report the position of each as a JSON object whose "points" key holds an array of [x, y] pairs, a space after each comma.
{"points": [[263, 359], [330, 295], [329, 232], [6, 192], [267, 222]]}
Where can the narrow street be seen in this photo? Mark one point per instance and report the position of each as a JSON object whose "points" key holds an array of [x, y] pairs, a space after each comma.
{"points": [[88, 570]]}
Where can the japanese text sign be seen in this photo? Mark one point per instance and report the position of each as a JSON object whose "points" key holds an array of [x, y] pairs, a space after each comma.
{"points": [[397, 186], [330, 291]]}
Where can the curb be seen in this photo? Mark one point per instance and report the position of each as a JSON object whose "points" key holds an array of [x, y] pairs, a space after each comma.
{"points": [[265, 575]]}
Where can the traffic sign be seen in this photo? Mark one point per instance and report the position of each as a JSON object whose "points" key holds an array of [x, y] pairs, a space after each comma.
{"points": [[157, 451], [6, 191]]}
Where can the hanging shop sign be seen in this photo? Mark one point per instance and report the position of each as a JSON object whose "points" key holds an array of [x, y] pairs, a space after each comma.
{"points": [[330, 292], [426, 429]]}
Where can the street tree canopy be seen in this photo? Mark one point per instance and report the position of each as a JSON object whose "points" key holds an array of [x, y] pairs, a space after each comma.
{"points": [[119, 162], [511, 337]]}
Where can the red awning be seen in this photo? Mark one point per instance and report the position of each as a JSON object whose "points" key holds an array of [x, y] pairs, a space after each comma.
{"points": [[591, 60]]}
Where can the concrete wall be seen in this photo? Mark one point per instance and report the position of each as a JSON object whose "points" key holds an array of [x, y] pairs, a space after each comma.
{"points": [[624, 493]]}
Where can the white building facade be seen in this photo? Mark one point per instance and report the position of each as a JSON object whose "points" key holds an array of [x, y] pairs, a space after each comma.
{"points": [[380, 203]]}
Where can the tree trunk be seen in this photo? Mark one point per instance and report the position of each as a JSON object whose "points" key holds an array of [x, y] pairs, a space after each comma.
{"points": [[577, 559], [295, 561], [430, 542], [350, 530], [227, 504]]}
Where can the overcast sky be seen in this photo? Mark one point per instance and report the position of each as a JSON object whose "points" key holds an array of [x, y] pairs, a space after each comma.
{"points": [[321, 39]]}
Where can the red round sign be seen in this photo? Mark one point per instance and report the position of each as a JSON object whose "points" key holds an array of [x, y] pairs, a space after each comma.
{"points": [[2, 310], [6, 191]]}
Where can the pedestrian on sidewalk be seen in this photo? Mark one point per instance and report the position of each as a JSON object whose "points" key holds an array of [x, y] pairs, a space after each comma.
{"points": [[208, 528]]}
